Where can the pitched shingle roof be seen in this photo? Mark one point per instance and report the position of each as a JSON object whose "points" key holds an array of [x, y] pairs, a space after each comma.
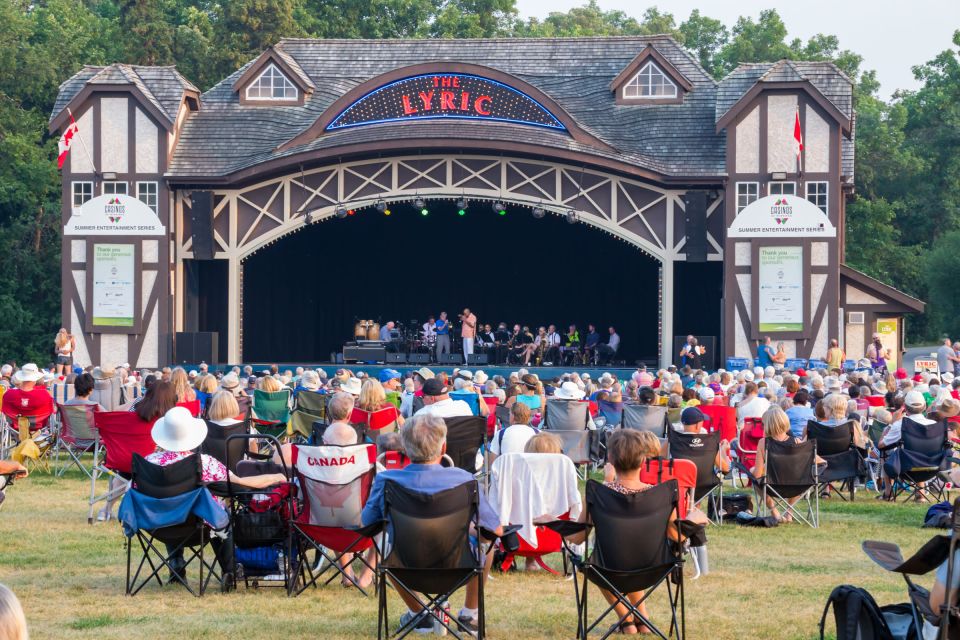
{"points": [[163, 87]]}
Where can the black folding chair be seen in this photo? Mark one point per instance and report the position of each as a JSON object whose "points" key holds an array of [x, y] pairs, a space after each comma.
{"points": [[428, 551], [582, 446], [702, 450], [215, 444], [631, 553], [319, 427], [465, 437], [914, 464], [644, 417], [188, 537], [835, 444], [791, 471], [566, 415]]}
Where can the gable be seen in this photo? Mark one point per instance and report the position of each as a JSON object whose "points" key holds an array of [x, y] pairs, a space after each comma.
{"points": [[650, 79]]}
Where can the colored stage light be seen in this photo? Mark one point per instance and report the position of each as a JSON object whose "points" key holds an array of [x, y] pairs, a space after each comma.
{"points": [[350, 212], [424, 211], [500, 208], [539, 212], [382, 206], [571, 216], [341, 212], [387, 212], [461, 212], [502, 212], [419, 203]]}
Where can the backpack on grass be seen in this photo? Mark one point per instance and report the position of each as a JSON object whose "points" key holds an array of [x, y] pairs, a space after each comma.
{"points": [[858, 617]]}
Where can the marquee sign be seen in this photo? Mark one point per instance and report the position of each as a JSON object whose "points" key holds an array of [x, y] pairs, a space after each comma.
{"points": [[446, 95], [114, 215], [780, 216]]}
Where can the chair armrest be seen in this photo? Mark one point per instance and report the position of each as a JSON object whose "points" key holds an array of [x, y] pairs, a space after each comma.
{"points": [[566, 528], [369, 530], [219, 489]]}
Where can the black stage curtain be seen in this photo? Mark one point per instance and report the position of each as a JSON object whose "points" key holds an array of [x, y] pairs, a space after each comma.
{"points": [[302, 295]]}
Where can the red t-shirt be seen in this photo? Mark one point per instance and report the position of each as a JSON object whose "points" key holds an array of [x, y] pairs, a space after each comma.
{"points": [[36, 402]]}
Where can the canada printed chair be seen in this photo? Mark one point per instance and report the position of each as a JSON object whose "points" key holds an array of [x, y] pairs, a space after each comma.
{"points": [[913, 464], [77, 436], [701, 450], [429, 551], [643, 417], [648, 561], [844, 460], [260, 518], [334, 483], [169, 513], [122, 434]]}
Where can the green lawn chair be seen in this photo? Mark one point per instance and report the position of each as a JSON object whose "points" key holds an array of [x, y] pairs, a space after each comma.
{"points": [[270, 412], [310, 407]]}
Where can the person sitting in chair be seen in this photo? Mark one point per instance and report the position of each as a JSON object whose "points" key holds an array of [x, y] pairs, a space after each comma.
{"points": [[691, 420], [425, 443], [437, 402], [627, 450], [776, 426], [83, 387], [513, 438]]}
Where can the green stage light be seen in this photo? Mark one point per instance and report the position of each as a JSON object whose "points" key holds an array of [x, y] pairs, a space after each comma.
{"points": [[462, 212], [424, 211], [502, 212]]}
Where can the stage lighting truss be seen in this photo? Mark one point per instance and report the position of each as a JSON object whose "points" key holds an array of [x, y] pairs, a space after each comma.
{"points": [[500, 207], [462, 206]]}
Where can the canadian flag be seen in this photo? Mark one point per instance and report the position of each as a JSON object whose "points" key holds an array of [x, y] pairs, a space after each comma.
{"points": [[798, 135], [65, 141]]}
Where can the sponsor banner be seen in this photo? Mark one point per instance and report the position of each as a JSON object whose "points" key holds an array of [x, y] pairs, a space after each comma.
{"points": [[781, 216], [781, 289], [114, 215], [926, 364], [114, 285], [887, 328]]}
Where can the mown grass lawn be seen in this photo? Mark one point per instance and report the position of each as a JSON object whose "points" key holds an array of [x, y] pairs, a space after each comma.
{"points": [[764, 583]]}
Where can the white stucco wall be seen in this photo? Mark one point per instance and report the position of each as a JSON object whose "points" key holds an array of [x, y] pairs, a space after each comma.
{"points": [[781, 149], [748, 143], [113, 135]]}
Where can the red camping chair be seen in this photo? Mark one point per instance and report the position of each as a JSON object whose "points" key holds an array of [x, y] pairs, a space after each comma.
{"points": [[748, 441], [548, 541], [594, 408], [722, 419], [658, 470], [876, 401], [121, 434], [15, 418], [335, 484], [492, 416], [374, 420], [393, 460], [721, 400], [193, 406]]}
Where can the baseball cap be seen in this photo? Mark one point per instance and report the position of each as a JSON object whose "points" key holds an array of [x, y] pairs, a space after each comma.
{"points": [[433, 387], [914, 399], [389, 374], [900, 374], [692, 415], [707, 393], [424, 373], [801, 372]]}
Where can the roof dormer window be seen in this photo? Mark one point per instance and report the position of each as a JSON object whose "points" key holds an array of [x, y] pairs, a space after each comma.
{"points": [[650, 83], [271, 85]]}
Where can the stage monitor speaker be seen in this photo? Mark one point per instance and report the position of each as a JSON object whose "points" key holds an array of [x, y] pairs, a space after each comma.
{"points": [[708, 360], [478, 358], [418, 358], [397, 358], [201, 224], [695, 226], [364, 354], [451, 358], [196, 347]]}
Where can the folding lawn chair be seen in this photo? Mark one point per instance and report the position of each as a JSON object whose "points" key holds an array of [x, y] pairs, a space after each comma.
{"points": [[392, 460], [121, 434], [429, 551], [466, 436], [77, 435], [791, 472], [565, 415], [260, 518], [746, 445], [309, 407], [170, 506], [582, 446], [936, 551], [523, 489], [335, 483], [15, 420], [660, 470], [62, 392], [913, 465], [701, 450], [193, 406], [491, 414], [649, 561], [215, 444], [644, 417], [373, 423], [271, 411], [844, 460], [722, 419], [612, 412]]}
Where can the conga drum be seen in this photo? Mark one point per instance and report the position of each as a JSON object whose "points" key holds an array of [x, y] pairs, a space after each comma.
{"points": [[373, 330], [360, 330]]}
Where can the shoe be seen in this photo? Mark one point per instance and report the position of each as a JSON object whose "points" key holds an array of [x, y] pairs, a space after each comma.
{"points": [[228, 584], [424, 623], [469, 624]]}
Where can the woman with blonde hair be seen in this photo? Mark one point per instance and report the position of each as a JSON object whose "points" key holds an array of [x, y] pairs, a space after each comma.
{"points": [[13, 624], [181, 385], [836, 408], [373, 398], [269, 384], [223, 409], [65, 344], [776, 426], [544, 442]]}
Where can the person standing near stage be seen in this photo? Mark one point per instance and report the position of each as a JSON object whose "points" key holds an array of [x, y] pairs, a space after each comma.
{"points": [[468, 331], [442, 328], [765, 353]]}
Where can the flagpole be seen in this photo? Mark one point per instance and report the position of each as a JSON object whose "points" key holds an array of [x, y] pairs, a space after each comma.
{"points": [[82, 143]]}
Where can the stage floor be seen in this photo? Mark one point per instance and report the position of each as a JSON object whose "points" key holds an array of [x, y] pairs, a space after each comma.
{"points": [[544, 373]]}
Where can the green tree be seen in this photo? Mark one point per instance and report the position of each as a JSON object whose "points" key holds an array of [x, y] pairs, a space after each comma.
{"points": [[148, 30], [247, 27], [705, 38], [474, 19]]}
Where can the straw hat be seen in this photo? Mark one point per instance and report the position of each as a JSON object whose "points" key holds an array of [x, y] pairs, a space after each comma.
{"points": [[178, 430]]}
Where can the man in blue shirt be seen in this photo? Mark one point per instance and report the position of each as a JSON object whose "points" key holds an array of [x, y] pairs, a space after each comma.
{"points": [[443, 334], [765, 353], [425, 442]]}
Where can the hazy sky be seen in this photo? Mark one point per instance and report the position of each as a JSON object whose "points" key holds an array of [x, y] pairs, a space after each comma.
{"points": [[891, 35]]}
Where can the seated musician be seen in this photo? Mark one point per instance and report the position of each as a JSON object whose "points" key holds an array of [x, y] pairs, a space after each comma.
{"points": [[552, 353], [485, 339], [501, 338], [538, 348], [386, 336], [522, 344], [592, 340], [572, 343]]}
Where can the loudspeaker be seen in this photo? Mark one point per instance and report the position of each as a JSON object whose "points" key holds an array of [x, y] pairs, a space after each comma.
{"points": [[451, 358], [478, 358], [418, 358], [398, 358], [364, 354], [695, 226], [196, 347], [201, 224]]}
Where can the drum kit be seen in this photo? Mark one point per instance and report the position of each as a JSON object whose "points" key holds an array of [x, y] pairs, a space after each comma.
{"points": [[366, 330]]}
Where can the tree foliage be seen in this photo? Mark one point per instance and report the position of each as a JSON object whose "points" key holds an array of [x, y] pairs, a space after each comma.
{"points": [[899, 225]]}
